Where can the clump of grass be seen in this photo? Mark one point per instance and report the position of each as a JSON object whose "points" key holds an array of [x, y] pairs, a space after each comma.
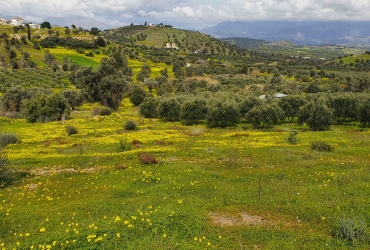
{"points": [[71, 130], [321, 146], [8, 138], [123, 145], [130, 125], [105, 111], [147, 158], [352, 230]]}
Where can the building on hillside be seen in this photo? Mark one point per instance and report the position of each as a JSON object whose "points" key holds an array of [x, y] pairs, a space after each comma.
{"points": [[17, 21], [3, 21], [171, 46], [34, 26], [279, 95]]}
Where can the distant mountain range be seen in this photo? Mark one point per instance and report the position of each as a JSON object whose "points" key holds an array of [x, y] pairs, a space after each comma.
{"points": [[300, 32], [79, 21]]}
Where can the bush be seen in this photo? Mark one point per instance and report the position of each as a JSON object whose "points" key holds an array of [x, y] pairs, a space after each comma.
{"points": [[292, 138], [352, 230], [316, 114], [5, 173], [123, 145], [130, 125], [193, 110], [147, 158], [265, 115], [321, 146], [8, 138], [223, 114], [96, 111], [105, 111], [169, 109], [148, 108], [137, 95], [71, 130]]}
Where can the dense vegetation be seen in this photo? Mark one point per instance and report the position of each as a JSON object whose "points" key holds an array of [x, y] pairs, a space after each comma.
{"points": [[133, 138]]}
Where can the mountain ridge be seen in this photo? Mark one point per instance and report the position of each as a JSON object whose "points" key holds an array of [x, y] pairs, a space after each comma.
{"points": [[353, 33]]}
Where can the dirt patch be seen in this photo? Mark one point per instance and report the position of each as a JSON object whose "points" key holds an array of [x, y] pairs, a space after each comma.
{"points": [[236, 220], [55, 170], [32, 186], [50, 171]]}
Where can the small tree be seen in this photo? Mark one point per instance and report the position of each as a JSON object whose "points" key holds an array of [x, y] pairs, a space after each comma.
{"points": [[148, 108], [193, 110], [169, 109], [265, 115], [223, 114], [45, 25], [101, 42], [94, 31], [364, 111], [12, 54], [137, 95], [67, 31], [316, 114], [291, 105]]}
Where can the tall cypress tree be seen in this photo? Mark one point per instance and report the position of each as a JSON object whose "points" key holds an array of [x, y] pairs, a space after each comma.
{"points": [[28, 32]]}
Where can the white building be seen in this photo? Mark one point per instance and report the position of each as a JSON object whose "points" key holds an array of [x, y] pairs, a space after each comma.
{"points": [[34, 26], [171, 46], [17, 21]]}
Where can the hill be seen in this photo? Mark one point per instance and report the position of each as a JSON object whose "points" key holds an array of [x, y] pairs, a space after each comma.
{"points": [[186, 41], [289, 48], [303, 33]]}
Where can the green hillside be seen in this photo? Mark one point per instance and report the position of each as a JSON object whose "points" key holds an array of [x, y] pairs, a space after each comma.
{"points": [[187, 41], [291, 49]]}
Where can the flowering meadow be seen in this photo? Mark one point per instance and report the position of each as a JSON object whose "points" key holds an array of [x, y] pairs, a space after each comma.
{"points": [[205, 192]]}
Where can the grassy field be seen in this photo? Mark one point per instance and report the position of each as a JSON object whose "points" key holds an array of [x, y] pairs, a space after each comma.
{"points": [[352, 59], [233, 188]]}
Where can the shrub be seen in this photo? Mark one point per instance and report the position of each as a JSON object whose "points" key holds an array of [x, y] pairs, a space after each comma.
{"points": [[316, 114], [5, 173], [292, 138], [223, 114], [71, 130], [169, 109], [137, 95], [96, 111], [123, 145], [8, 138], [130, 125], [265, 115], [193, 110], [352, 230], [321, 146], [147, 158], [148, 108], [105, 111]]}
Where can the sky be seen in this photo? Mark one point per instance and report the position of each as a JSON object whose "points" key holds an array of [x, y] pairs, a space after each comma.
{"points": [[188, 13]]}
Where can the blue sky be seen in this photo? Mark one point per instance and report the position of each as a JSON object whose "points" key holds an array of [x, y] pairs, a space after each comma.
{"points": [[189, 13]]}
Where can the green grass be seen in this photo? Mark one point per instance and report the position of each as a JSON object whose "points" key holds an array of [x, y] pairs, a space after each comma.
{"points": [[352, 59], [81, 189]]}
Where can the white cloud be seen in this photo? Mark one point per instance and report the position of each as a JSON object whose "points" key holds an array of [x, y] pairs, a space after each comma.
{"points": [[204, 13]]}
